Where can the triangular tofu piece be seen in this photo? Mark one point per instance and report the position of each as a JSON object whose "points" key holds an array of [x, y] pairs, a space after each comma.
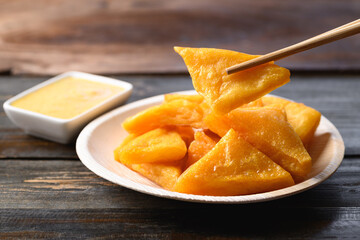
{"points": [[233, 167], [178, 112], [125, 142], [302, 118], [202, 144], [165, 175], [223, 92], [156, 146], [176, 96], [269, 131]]}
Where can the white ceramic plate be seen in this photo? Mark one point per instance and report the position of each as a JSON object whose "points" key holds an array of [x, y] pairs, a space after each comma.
{"points": [[98, 139]]}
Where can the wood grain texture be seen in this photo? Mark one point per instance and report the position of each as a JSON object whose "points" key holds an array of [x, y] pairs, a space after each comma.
{"points": [[335, 34], [111, 37], [335, 96], [54, 198], [232, 222], [63, 184]]}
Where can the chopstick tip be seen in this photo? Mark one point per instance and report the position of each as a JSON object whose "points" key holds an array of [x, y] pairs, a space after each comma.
{"points": [[229, 71]]}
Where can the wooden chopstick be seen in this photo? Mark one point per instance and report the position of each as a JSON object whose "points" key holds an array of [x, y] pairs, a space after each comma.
{"points": [[343, 31]]}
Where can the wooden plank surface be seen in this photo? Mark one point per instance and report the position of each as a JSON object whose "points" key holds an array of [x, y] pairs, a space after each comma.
{"points": [[335, 96], [46, 193], [111, 37], [54, 198], [227, 222], [64, 184]]}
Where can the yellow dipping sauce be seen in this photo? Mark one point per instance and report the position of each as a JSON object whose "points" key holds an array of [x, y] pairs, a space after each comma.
{"points": [[67, 97]]}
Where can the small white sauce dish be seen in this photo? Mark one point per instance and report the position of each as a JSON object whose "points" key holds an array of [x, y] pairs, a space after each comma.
{"points": [[64, 130]]}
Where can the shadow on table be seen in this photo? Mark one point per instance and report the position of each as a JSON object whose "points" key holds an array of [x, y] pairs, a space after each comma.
{"points": [[301, 216], [267, 220]]}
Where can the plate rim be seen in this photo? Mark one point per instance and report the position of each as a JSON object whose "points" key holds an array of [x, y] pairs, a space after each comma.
{"points": [[87, 159]]}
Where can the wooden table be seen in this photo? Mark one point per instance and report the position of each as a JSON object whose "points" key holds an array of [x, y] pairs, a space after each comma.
{"points": [[137, 36], [46, 192]]}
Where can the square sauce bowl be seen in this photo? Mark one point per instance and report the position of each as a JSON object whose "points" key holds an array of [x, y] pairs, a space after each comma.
{"points": [[102, 95]]}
